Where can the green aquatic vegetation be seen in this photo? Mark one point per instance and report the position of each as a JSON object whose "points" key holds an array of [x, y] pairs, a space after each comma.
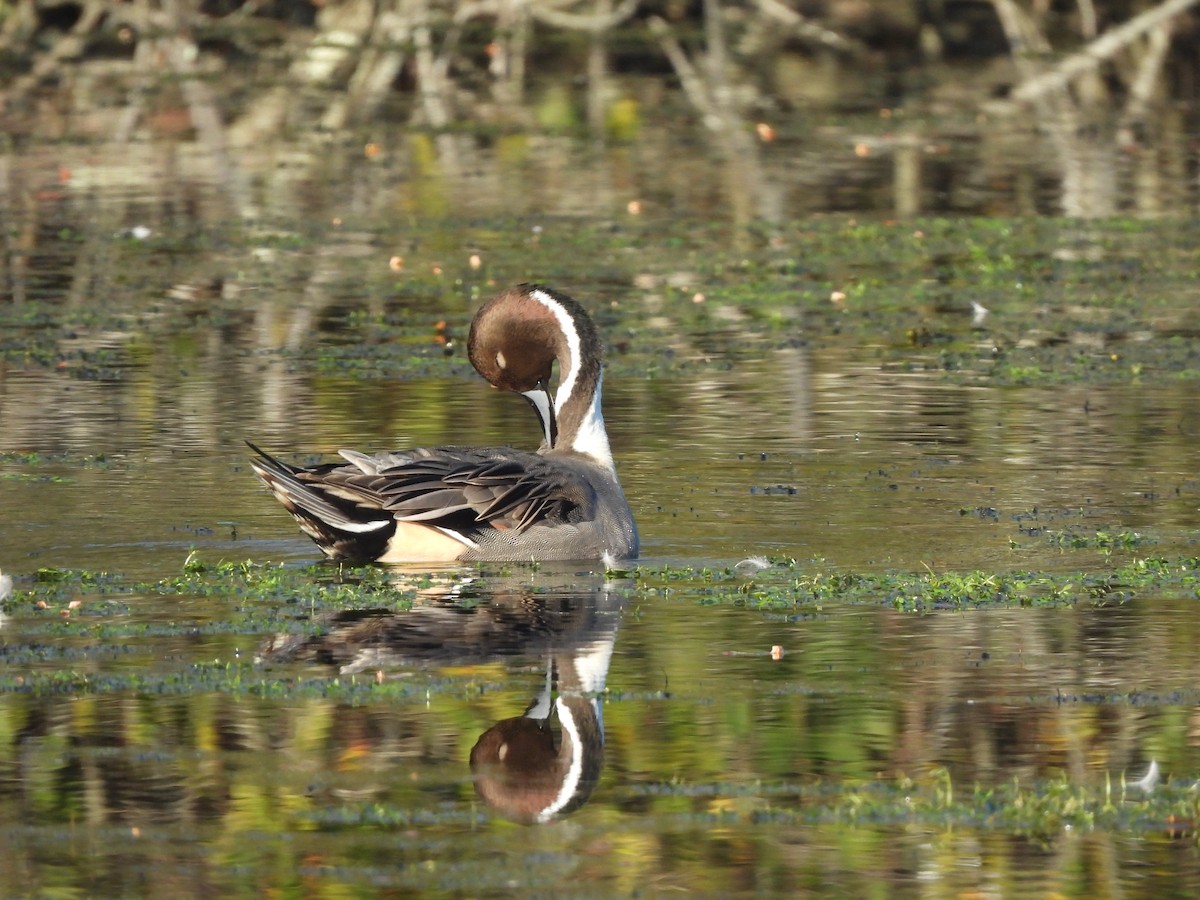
{"points": [[73, 671], [1021, 374], [282, 240], [323, 587], [1038, 809], [239, 678], [35, 458], [264, 594], [1101, 540], [53, 584], [1045, 283], [37, 479], [789, 585], [384, 815], [28, 654], [318, 587]]}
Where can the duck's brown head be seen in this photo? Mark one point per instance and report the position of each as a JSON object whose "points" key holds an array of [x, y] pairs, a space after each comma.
{"points": [[515, 339]]}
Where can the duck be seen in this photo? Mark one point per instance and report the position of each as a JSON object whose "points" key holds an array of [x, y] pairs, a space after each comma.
{"points": [[465, 504]]}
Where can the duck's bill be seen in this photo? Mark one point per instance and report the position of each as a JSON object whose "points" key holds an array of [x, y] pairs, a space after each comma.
{"points": [[542, 402]]}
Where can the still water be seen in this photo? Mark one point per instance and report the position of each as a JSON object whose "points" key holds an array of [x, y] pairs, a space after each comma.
{"points": [[337, 753], [828, 401]]}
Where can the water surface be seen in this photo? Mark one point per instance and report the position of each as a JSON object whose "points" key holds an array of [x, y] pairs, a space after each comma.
{"points": [[192, 709]]}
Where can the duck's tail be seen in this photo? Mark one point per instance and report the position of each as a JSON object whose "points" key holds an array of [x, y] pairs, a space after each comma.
{"points": [[340, 525]]}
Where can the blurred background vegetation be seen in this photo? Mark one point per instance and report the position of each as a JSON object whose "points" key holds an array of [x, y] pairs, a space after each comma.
{"points": [[1097, 82]]}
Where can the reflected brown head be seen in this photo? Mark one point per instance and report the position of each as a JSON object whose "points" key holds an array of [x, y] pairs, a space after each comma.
{"points": [[517, 769]]}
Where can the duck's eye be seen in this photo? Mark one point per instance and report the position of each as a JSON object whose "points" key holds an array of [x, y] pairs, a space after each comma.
{"points": [[500, 360]]}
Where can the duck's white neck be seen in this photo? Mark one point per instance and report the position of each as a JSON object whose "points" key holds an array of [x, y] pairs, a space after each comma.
{"points": [[581, 430], [591, 437]]}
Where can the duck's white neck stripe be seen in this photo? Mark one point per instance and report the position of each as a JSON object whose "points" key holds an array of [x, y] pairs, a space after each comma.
{"points": [[591, 438], [567, 325], [566, 719]]}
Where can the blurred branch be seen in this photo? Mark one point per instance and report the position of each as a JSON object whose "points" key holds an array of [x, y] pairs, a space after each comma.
{"points": [[1073, 102], [710, 91], [803, 28], [381, 60], [465, 12], [432, 89], [435, 90], [1025, 41], [1088, 21], [717, 67], [181, 53], [69, 46], [594, 23], [693, 85], [19, 22], [1147, 77], [1098, 51]]}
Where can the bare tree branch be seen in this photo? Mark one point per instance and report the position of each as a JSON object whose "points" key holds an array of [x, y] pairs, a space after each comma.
{"points": [[433, 91], [1098, 51], [809, 31], [1148, 76], [710, 92], [693, 85], [1088, 21], [594, 23], [69, 46]]}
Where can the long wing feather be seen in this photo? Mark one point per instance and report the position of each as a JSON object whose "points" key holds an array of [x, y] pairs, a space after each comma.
{"points": [[461, 490]]}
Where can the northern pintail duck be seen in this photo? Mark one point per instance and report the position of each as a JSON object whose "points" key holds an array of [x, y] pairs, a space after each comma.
{"points": [[462, 504]]}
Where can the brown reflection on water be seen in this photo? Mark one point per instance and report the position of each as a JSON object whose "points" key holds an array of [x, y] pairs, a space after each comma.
{"points": [[960, 160], [532, 767], [705, 733], [1087, 693], [989, 694]]}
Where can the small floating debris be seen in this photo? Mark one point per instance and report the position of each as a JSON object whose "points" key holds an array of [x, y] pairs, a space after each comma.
{"points": [[776, 652], [6, 586], [136, 233], [751, 565], [775, 489], [1149, 781]]}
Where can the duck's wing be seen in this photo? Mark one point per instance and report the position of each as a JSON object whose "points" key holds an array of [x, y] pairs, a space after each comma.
{"points": [[494, 488], [459, 491]]}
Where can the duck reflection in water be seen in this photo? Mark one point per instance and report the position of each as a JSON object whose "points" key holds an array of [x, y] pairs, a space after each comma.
{"points": [[532, 767]]}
